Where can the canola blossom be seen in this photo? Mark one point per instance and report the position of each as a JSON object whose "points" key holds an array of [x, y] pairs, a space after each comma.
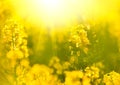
{"points": [[59, 42]]}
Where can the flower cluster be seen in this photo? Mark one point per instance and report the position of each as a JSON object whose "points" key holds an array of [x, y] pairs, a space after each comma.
{"points": [[35, 75], [112, 78], [79, 40], [14, 39]]}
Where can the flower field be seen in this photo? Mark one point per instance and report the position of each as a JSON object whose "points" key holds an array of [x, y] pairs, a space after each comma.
{"points": [[59, 42]]}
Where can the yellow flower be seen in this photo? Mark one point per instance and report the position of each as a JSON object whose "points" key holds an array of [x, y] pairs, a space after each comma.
{"points": [[112, 78], [86, 80], [54, 60], [73, 77], [66, 65], [24, 62], [25, 50], [92, 72], [11, 54], [15, 54], [13, 63], [19, 70], [40, 75], [41, 69], [19, 54]]}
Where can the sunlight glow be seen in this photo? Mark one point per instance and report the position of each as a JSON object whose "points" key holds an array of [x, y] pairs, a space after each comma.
{"points": [[51, 4], [59, 12]]}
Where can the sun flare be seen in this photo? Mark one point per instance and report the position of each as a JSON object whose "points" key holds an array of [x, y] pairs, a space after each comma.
{"points": [[61, 12]]}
